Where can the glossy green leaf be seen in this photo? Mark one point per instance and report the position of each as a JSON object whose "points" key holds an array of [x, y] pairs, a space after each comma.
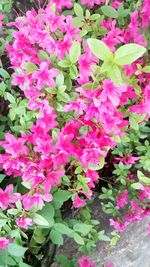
{"points": [[146, 69], [43, 55], [29, 67], [99, 49], [78, 10], [75, 52], [78, 239], [143, 179], [115, 75], [39, 220], [128, 53], [4, 73], [82, 228], [16, 250], [56, 237], [63, 229], [109, 11], [10, 98], [62, 195]]}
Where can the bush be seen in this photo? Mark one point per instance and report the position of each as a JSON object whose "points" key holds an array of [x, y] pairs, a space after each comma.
{"points": [[78, 103]]}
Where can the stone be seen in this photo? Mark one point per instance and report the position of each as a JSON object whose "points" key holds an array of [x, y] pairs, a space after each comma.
{"points": [[131, 250]]}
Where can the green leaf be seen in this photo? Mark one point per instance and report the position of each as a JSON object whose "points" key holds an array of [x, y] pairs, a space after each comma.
{"points": [[99, 166], [99, 49], [4, 73], [87, 86], [39, 220], [77, 22], [101, 162], [82, 228], [109, 11], [29, 67], [136, 186], [10, 98], [146, 69], [83, 130], [64, 63], [63, 229], [115, 75], [10, 261], [78, 10], [78, 239], [2, 215], [102, 236], [2, 176], [2, 222], [22, 264], [64, 262], [56, 237], [16, 250], [43, 55], [128, 53], [122, 12], [47, 212], [62, 195], [78, 170], [143, 179], [38, 235], [75, 52], [12, 211], [73, 72], [94, 17], [60, 80]]}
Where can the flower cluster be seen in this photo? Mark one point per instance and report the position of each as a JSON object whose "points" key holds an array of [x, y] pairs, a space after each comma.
{"points": [[98, 109]]}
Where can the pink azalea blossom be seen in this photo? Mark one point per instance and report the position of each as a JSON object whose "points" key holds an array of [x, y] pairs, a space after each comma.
{"points": [[127, 160], [78, 202], [111, 92], [62, 3], [85, 262], [118, 225], [109, 264], [44, 76], [36, 200], [7, 197], [24, 222], [122, 199], [4, 242], [14, 146], [1, 18]]}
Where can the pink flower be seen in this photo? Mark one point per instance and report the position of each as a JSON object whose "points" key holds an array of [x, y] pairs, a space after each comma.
{"points": [[4, 242], [111, 92], [109, 264], [91, 3], [7, 197], [1, 18], [85, 262], [122, 199], [36, 200], [78, 202], [145, 13], [44, 76], [14, 146], [118, 225], [24, 222], [62, 3], [127, 160]]}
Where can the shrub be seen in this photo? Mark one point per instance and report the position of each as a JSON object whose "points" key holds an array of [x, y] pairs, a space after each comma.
{"points": [[79, 100]]}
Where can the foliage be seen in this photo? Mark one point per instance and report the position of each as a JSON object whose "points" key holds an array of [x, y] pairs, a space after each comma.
{"points": [[78, 94]]}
